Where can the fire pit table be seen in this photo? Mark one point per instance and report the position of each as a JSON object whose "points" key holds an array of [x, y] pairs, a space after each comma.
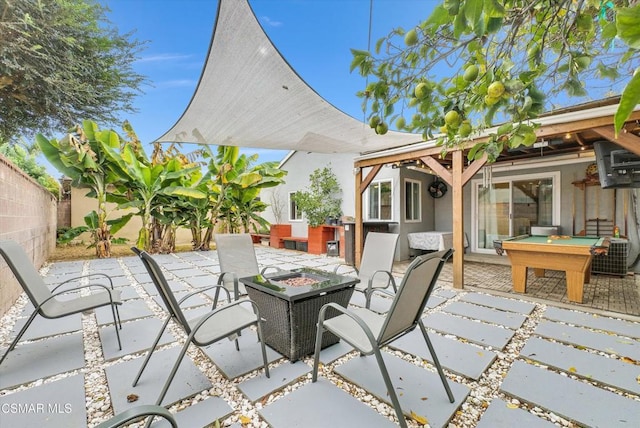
{"points": [[289, 303]]}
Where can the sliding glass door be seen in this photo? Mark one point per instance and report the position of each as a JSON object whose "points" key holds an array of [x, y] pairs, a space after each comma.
{"points": [[509, 206]]}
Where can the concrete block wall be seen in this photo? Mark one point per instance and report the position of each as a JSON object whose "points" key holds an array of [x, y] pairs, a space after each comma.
{"points": [[28, 215]]}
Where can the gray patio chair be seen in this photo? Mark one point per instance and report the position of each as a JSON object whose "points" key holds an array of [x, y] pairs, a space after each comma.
{"points": [[204, 330], [368, 331], [376, 264], [237, 258], [47, 302], [136, 414]]}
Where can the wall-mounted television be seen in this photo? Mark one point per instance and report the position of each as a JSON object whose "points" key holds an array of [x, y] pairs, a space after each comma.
{"points": [[617, 167]]}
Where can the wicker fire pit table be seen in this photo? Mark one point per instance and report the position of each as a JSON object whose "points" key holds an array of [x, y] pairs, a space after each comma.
{"points": [[289, 303]]}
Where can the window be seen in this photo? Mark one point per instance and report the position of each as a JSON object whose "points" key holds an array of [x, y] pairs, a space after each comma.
{"points": [[294, 213], [412, 201], [380, 197]]}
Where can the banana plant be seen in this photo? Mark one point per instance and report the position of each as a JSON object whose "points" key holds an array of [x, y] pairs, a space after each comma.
{"points": [[80, 156], [234, 184], [143, 184]]}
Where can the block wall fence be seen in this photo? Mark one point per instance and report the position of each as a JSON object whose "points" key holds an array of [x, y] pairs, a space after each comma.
{"points": [[28, 216]]}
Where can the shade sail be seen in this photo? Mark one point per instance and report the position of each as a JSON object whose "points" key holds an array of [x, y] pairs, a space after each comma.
{"points": [[249, 96]]}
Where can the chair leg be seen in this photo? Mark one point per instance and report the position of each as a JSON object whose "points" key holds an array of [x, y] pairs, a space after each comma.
{"points": [[20, 334], [316, 354], [436, 362], [116, 321], [264, 350], [118, 317], [153, 348], [173, 372], [390, 390]]}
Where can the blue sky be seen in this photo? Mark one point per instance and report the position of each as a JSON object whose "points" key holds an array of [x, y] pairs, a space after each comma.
{"points": [[314, 36]]}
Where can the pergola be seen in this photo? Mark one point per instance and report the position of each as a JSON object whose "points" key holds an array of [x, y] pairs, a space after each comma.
{"points": [[248, 95]]}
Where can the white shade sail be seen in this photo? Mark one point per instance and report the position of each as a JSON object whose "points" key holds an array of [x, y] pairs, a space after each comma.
{"points": [[249, 96]]}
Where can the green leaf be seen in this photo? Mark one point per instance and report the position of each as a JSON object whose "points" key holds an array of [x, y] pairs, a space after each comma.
{"points": [[607, 72], [91, 220], [452, 6], [473, 13], [460, 25], [493, 24], [628, 25], [119, 223], [439, 16], [630, 98], [494, 8]]}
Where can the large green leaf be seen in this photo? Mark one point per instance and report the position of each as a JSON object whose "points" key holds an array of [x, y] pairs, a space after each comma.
{"points": [[628, 25], [119, 223], [184, 191], [52, 152], [628, 102]]}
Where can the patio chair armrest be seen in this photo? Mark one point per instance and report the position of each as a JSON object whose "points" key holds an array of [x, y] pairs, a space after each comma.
{"points": [[203, 289], [264, 269], [84, 276], [392, 280], [130, 415], [365, 328], [339, 265]]}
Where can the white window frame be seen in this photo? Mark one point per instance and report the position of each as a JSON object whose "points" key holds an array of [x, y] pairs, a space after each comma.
{"points": [[409, 197], [367, 200], [296, 211]]}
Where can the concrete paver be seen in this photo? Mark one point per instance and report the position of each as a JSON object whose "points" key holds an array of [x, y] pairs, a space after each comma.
{"points": [[570, 398]]}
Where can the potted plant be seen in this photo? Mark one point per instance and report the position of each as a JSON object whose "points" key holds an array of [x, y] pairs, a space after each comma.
{"points": [[320, 203], [322, 200]]}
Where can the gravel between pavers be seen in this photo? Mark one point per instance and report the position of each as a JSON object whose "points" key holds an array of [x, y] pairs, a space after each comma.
{"points": [[246, 413]]}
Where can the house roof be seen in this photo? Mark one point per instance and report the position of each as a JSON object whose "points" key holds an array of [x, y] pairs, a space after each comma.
{"points": [[249, 96]]}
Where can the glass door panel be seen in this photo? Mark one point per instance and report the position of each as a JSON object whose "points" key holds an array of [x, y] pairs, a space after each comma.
{"points": [[532, 204], [493, 213]]}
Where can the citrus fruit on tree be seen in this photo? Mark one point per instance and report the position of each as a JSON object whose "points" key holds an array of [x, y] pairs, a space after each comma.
{"points": [[465, 129], [471, 73], [489, 100], [421, 90], [382, 128], [411, 37], [584, 22], [400, 123], [495, 89], [374, 121], [452, 119]]}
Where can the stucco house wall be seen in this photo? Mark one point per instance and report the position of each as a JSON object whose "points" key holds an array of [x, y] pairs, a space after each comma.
{"points": [[437, 213]]}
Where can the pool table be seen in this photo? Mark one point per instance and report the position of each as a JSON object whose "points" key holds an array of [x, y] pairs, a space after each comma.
{"points": [[571, 254]]}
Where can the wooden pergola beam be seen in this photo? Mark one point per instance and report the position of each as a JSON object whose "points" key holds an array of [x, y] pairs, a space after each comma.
{"points": [[625, 140]]}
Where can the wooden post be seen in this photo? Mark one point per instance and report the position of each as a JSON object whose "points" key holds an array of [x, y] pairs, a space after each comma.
{"points": [[458, 219], [359, 232]]}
